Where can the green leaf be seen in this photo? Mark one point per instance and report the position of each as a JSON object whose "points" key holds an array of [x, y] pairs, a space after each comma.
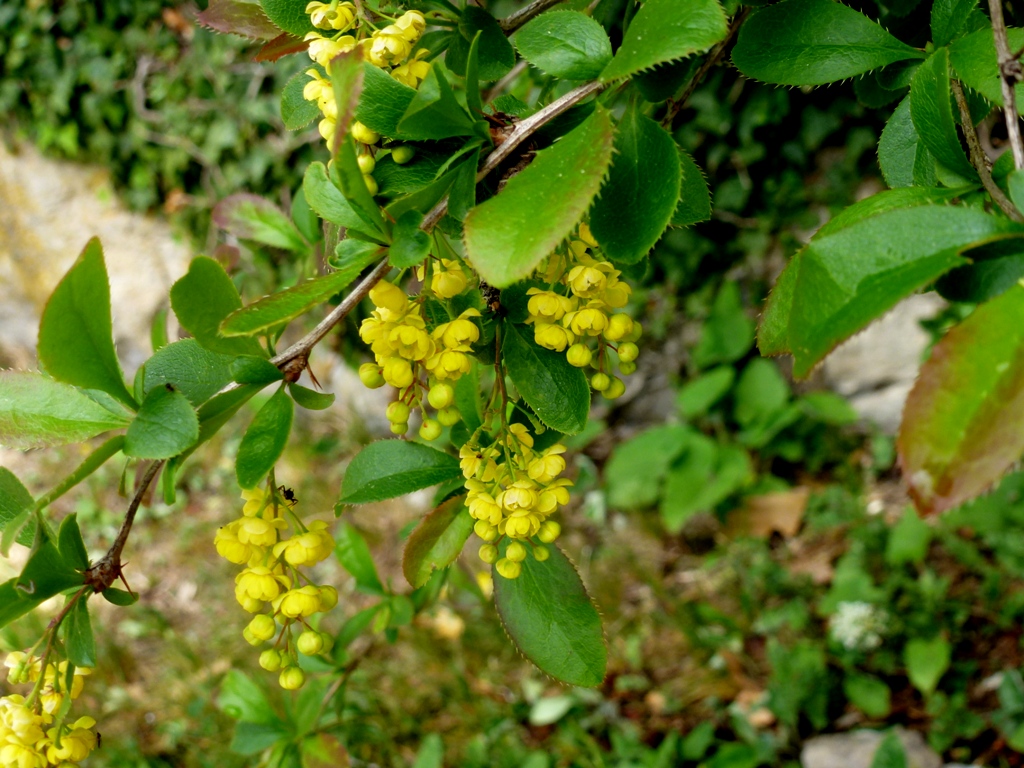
{"points": [[265, 439], [996, 268], [410, 244], [346, 72], [842, 281], [244, 700], [431, 753], [566, 44], [254, 370], [697, 397], [328, 201], [289, 15], [636, 470], [890, 753], [828, 408], [949, 19], [76, 344], [437, 541], [932, 114], [78, 638], [310, 399], [963, 424], [283, 307], [760, 392], [383, 101], [462, 197], [694, 198], [496, 55], [641, 193], [556, 391], [14, 603], [46, 573], [728, 333], [868, 694], [704, 477], [36, 411], [927, 661], [552, 620], [663, 31], [389, 468], [165, 426], [202, 299], [811, 42], [305, 218], [296, 112], [15, 501], [354, 555], [250, 217], [890, 200], [508, 235], [974, 60], [196, 372], [908, 540], [349, 178], [119, 597], [71, 545], [904, 159], [253, 738], [434, 112]]}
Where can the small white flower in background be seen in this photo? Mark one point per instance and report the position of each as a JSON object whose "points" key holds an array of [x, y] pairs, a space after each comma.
{"points": [[858, 626]]}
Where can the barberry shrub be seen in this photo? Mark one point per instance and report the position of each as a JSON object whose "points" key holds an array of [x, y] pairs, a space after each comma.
{"points": [[491, 186]]}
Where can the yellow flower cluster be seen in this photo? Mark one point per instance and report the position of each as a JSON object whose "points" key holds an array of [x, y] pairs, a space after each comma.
{"points": [[579, 308], [513, 490], [389, 48], [407, 353], [272, 576], [29, 734]]}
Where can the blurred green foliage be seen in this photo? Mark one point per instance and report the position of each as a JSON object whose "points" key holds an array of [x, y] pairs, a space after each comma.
{"points": [[180, 115]]}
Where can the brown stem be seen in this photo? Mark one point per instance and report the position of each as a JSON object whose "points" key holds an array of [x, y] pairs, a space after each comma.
{"points": [[1009, 74], [675, 105], [514, 21], [978, 158], [108, 569]]}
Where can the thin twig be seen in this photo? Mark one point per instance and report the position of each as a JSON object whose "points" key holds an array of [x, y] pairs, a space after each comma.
{"points": [[515, 20], [490, 94], [1009, 73], [978, 158], [108, 569], [675, 105]]}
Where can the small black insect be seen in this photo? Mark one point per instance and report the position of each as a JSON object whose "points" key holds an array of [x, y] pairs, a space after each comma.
{"points": [[289, 495]]}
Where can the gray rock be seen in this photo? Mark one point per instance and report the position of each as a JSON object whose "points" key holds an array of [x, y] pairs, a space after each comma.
{"points": [[856, 749], [877, 367]]}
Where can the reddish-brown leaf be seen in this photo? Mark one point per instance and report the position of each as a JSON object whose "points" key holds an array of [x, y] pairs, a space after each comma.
{"points": [[963, 425], [282, 45], [239, 17]]}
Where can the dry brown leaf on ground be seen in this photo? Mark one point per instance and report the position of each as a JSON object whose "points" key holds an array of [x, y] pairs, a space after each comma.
{"points": [[762, 515]]}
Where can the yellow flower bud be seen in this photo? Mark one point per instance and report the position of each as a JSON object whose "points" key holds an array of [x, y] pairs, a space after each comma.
{"points": [[262, 627], [304, 601], [399, 428], [397, 372], [579, 355], [485, 529], [366, 163], [370, 375], [362, 134], [310, 643], [488, 553], [628, 352], [328, 597], [430, 429], [371, 183], [441, 395], [403, 154], [398, 412], [449, 417], [448, 280], [619, 327], [614, 389], [541, 554], [590, 321], [516, 552], [551, 336], [271, 660], [549, 531], [291, 678], [508, 569], [388, 296], [600, 381], [627, 368]]}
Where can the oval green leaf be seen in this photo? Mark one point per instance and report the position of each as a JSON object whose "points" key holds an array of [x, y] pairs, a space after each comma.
{"points": [[641, 192], [296, 112], [389, 468], [566, 44], [932, 114], [265, 439], [202, 299], [78, 638], [904, 159], [666, 30], [508, 235], [694, 198], [963, 424], [282, 307], [552, 620], [196, 372], [36, 411], [354, 555], [845, 279], [812, 42], [310, 399], [556, 391], [437, 541], [328, 201], [165, 426], [289, 15], [76, 343], [70, 543], [974, 59], [251, 217]]}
